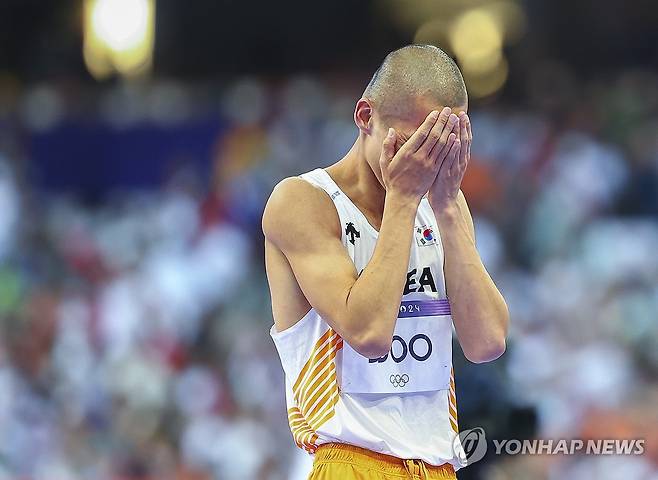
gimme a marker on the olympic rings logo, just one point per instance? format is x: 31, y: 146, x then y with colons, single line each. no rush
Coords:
x: 399, y: 380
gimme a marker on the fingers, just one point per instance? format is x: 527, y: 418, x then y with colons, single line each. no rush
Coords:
x: 466, y: 137
x: 435, y: 133
x: 443, y: 144
x: 388, y: 148
x: 420, y: 135
x: 452, y: 159
x: 452, y: 124
x: 470, y: 135
x: 440, y: 153
x: 465, y: 122
x: 463, y: 135
x: 463, y: 128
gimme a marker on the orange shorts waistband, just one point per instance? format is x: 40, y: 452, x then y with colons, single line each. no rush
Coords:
x: 345, y: 453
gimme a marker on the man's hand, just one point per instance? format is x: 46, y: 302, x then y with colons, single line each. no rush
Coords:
x: 443, y: 192
x: 411, y: 170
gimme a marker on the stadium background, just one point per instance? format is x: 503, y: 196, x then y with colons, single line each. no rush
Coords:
x: 139, y: 141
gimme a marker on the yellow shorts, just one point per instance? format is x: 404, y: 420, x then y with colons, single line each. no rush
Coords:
x: 339, y: 461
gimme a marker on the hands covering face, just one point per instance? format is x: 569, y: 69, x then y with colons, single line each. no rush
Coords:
x: 433, y: 160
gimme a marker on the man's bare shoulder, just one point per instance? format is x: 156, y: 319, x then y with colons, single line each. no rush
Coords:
x: 299, y: 211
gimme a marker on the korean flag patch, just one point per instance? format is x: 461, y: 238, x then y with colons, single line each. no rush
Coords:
x: 425, y: 236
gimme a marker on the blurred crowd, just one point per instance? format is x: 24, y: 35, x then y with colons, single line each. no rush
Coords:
x: 134, y: 327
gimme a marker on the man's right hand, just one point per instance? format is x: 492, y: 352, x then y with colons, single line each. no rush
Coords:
x: 411, y: 171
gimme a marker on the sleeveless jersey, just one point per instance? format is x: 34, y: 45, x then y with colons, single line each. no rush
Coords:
x: 402, y: 404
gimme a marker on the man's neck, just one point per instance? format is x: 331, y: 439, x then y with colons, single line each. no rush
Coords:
x: 355, y: 177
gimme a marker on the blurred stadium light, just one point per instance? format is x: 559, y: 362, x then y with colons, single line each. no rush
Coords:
x: 477, y: 40
x: 118, y: 37
x: 475, y: 35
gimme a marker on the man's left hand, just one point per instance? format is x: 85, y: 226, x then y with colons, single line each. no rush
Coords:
x: 443, y: 192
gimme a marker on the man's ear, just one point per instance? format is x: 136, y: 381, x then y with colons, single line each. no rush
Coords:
x: 363, y: 116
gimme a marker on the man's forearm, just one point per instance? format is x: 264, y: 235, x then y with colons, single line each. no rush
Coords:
x: 374, y: 299
x: 478, y: 309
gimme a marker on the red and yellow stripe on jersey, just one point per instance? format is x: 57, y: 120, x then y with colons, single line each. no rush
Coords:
x: 315, y: 392
x: 452, y: 402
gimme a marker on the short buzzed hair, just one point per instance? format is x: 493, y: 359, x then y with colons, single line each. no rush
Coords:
x: 414, y: 72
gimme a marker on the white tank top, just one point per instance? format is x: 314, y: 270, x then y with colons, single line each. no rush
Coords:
x: 402, y: 404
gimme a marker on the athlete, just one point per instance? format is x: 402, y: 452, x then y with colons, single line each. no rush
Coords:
x: 370, y: 263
